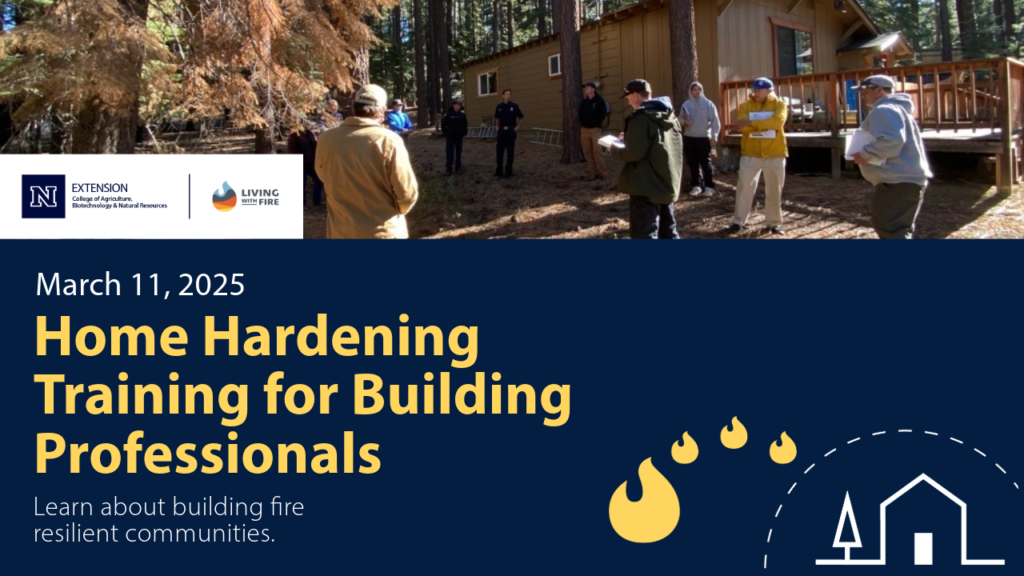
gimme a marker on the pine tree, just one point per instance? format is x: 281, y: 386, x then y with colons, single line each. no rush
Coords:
x: 572, y: 80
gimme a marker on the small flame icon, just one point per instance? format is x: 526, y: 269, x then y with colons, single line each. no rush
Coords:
x: 783, y: 453
x: 651, y: 518
x: 737, y: 438
x: 686, y: 453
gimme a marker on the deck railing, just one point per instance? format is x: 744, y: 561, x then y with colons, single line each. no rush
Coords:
x: 969, y: 95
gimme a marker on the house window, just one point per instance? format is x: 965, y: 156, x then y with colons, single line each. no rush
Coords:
x: 794, y: 49
x: 554, y: 65
x: 487, y: 83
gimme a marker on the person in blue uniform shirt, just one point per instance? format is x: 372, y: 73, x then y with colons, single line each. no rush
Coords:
x: 507, y: 118
x: 397, y: 120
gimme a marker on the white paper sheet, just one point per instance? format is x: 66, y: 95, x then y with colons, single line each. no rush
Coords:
x: 610, y: 141
x: 760, y: 115
x: 766, y: 135
x: 857, y: 141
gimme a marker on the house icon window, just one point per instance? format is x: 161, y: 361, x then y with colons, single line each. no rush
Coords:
x: 922, y: 542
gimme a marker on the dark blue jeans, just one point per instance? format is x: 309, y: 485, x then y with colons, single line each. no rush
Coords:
x: 648, y: 220
x: 318, y: 185
x: 453, y: 152
x: 506, y: 143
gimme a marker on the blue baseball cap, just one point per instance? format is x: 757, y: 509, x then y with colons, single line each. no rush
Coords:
x: 762, y: 84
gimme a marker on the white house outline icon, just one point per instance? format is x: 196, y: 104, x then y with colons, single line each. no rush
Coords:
x: 881, y: 561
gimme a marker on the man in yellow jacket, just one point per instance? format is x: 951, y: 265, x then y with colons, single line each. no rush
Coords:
x: 368, y: 179
x: 762, y: 150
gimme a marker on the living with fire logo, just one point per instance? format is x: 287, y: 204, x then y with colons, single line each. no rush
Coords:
x: 225, y: 198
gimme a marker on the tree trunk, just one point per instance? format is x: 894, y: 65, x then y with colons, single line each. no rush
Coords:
x: 422, y: 91
x: 1009, y: 20
x: 968, y: 29
x: 104, y: 128
x: 542, y: 18
x: 556, y: 16
x: 915, y: 16
x: 495, y: 26
x: 510, y: 27
x: 572, y: 79
x: 265, y: 133
x: 361, y: 67
x: 682, y: 48
x: 945, y: 32
x: 396, y: 42
x: 442, y: 64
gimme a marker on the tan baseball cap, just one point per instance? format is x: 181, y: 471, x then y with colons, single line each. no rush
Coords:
x: 372, y: 95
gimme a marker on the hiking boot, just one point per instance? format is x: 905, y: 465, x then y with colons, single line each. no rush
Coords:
x: 708, y: 192
x: 696, y: 191
x: 733, y: 228
x: 777, y: 230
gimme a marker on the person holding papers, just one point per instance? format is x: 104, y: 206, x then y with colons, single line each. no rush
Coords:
x: 893, y: 159
x: 652, y: 150
x: 762, y: 150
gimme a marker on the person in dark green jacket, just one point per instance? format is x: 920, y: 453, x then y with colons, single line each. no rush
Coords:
x: 653, y: 157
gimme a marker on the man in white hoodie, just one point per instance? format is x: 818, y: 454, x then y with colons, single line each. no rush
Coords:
x: 701, y: 123
x: 895, y: 162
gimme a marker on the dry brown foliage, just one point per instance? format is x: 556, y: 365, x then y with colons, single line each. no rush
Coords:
x: 196, y: 57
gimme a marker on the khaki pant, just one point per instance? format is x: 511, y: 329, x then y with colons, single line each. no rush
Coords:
x: 592, y: 151
x: 774, y: 170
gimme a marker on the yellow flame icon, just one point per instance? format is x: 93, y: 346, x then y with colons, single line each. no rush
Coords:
x: 686, y: 453
x: 783, y: 453
x: 737, y: 438
x: 651, y: 518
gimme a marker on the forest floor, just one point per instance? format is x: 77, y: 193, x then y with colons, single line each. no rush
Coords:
x: 547, y: 199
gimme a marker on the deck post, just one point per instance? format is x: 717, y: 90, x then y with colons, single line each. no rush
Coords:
x: 1004, y: 159
x: 834, y: 104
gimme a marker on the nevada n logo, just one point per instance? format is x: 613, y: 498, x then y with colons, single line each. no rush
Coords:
x: 42, y: 196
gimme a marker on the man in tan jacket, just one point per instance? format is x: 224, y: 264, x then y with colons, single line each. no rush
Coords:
x: 368, y: 180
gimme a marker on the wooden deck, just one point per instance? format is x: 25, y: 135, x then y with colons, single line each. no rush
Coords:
x: 973, y: 106
x: 982, y: 141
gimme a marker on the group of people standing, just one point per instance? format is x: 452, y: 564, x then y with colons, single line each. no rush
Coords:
x: 654, y: 142
x: 363, y: 163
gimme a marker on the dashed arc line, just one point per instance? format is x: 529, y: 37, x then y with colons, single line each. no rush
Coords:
x: 1015, y: 485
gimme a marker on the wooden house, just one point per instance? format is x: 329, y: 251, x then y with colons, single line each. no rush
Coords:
x: 815, y: 50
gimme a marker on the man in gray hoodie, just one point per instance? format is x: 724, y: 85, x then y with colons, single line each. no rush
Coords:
x: 700, y: 119
x: 895, y: 162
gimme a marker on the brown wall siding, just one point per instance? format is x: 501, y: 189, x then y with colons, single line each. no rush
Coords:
x: 745, y: 48
x: 735, y: 46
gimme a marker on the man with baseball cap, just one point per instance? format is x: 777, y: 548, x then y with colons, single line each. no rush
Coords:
x: 397, y: 120
x: 593, y: 111
x: 368, y: 180
x: 653, y: 162
x: 894, y: 162
x: 762, y: 150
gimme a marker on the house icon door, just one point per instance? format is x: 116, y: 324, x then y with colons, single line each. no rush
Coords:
x: 924, y: 544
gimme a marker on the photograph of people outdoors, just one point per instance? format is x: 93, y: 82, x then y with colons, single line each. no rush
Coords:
x: 553, y: 118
